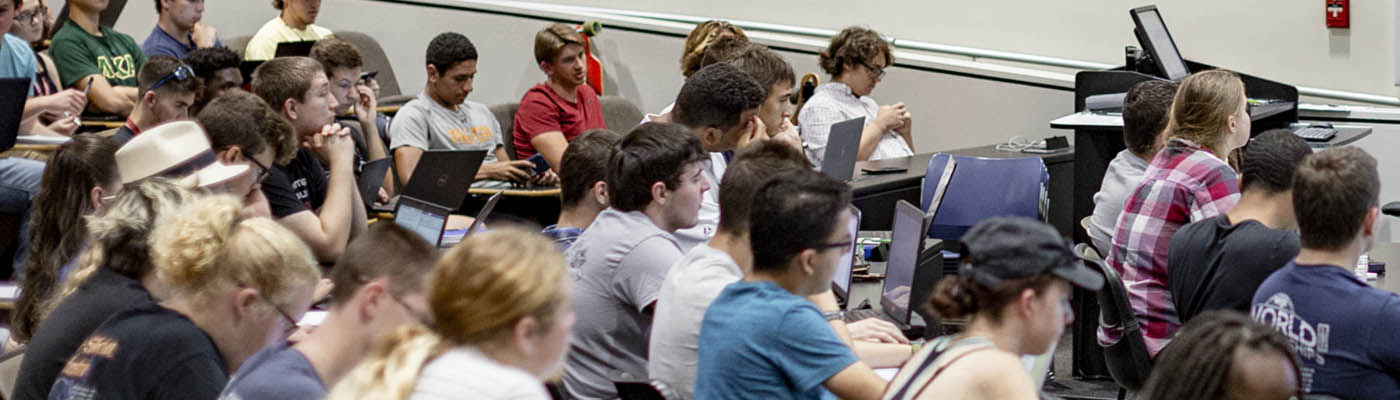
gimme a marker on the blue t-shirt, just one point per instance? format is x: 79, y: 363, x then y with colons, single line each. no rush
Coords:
x: 160, y: 42
x: 1340, y: 327
x: 563, y: 237
x: 17, y: 60
x: 276, y: 372
x: 759, y: 341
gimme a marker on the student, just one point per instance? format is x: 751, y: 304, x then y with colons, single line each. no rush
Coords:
x: 33, y: 24
x: 719, y: 50
x: 107, y: 280
x: 720, y: 105
x: 217, y: 69
x: 45, y: 109
x: 1218, y: 263
x: 168, y: 89
x: 763, y: 337
x: 582, y: 184
x: 379, y: 286
x: 87, y: 53
x: 79, y: 175
x: 655, y: 182
x: 343, y: 64
x: 856, y: 59
x: 1014, y: 287
x: 1187, y: 181
x: 703, y: 273
x: 314, y: 195
x: 1337, y: 322
x: 555, y: 112
x: 178, y: 30
x: 775, y: 76
x: 1222, y: 354
x: 503, y: 318
x: 228, y: 285
x: 1145, y: 114
x: 441, y: 117
x: 243, y: 130
x: 295, y: 23
x: 699, y: 40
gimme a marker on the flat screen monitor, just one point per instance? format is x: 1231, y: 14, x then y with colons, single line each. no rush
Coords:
x: 1153, y: 36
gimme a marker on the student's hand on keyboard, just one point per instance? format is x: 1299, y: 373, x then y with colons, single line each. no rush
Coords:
x: 876, y: 330
x: 509, y: 171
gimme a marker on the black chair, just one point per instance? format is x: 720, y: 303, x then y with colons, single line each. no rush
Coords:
x: 1128, y: 361
x: 505, y: 116
x: 1391, y: 209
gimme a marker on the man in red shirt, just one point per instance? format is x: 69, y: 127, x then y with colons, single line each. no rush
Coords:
x: 555, y: 112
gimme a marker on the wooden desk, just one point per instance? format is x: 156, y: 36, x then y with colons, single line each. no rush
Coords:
x: 102, y: 125
x: 540, y: 206
x: 521, y: 192
x: 390, y: 110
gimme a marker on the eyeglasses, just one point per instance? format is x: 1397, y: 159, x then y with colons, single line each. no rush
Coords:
x: 421, y: 317
x: 875, y: 72
x: 181, y: 73
x: 263, y: 170
x: 837, y: 245
x: 291, y: 323
x: 32, y: 15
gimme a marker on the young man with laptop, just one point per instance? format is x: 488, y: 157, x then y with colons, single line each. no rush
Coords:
x: 441, y: 117
x: 768, y: 336
x: 719, y: 104
x: 318, y: 203
x: 705, y: 270
x: 619, y: 263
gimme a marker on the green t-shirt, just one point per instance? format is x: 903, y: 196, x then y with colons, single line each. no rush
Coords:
x: 78, y: 54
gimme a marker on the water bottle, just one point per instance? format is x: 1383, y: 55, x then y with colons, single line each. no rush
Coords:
x: 1363, y: 264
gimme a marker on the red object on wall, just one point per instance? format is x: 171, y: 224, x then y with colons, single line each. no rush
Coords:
x: 1338, y: 14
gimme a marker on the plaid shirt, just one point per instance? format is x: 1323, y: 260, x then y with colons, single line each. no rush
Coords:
x: 1185, y: 183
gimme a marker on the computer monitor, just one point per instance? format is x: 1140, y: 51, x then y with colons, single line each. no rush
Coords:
x: 421, y: 217
x: 13, y: 92
x: 906, y: 246
x: 1152, y: 34
x: 841, y: 279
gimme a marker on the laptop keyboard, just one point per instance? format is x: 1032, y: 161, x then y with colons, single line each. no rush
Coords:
x: 1316, y: 134
x: 862, y: 314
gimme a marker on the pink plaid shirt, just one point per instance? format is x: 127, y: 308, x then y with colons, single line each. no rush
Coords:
x: 1185, y: 183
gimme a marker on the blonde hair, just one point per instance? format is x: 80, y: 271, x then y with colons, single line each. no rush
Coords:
x: 207, y: 246
x: 478, y: 292
x: 551, y: 40
x: 1202, y: 108
x: 700, y: 38
x: 120, y: 236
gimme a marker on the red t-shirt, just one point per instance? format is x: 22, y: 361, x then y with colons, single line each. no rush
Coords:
x: 542, y: 110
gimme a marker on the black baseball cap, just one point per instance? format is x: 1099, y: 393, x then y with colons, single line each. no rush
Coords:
x: 1004, y: 248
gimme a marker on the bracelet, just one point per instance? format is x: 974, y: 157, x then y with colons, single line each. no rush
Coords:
x: 834, y: 315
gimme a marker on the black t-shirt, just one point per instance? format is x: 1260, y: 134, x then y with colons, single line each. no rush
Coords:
x: 104, y: 293
x: 298, y: 186
x: 146, y: 352
x: 1213, y: 265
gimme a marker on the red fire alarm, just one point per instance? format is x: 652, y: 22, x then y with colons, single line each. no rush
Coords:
x: 1338, y: 15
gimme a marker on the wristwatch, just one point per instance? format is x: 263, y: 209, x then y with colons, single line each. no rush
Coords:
x: 834, y: 315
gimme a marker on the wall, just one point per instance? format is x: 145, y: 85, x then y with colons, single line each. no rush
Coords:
x: 1281, y: 40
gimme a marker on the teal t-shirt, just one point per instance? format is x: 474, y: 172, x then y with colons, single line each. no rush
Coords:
x: 114, y: 55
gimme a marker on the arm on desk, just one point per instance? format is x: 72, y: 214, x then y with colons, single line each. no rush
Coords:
x: 106, y: 98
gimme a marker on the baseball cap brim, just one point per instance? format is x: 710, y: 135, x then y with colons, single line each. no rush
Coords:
x: 1079, y: 275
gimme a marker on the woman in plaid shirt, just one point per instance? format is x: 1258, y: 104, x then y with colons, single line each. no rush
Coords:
x: 1189, y: 180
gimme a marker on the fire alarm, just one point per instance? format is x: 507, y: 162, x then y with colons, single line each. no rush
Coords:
x: 1338, y: 14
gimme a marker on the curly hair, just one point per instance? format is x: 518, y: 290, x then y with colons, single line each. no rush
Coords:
x: 205, y: 62
x: 1200, y: 362
x: 853, y: 46
x: 700, y: 39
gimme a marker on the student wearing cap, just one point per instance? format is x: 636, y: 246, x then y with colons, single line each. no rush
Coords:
x: 1014, y: 287
x: 168, y: 89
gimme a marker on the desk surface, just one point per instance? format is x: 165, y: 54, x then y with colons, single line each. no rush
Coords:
x: 517, y: 192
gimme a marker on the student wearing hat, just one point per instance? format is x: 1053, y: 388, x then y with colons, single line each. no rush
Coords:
x: 1014, y: 287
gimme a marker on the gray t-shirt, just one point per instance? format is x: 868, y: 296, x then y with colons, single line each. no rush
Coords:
x: 618, y: 265
x: 277, y: 372
x: 427, y: 125
x: 691, y: 285
x: 1122, y: 176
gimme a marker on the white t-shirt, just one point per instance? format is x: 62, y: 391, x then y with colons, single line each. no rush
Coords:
x: 834, y: 102
x: 690, y: 287
x: 263, y: 44
x: 465, y: 373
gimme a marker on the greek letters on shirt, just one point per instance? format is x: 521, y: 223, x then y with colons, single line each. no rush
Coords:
x: 117, y: 68
x: 476, y: 135
x: 302, y: 191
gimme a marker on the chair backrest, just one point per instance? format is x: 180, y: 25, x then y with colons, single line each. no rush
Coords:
x: 620, y: 114
x: 239, y: 44
x: 1127, y: 360
x: 982, y: 188
x: 505, y: 115
x: 375, y: 60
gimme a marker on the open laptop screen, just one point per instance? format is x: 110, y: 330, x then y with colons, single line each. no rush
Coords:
x: 906, y: 242
x: 841, y: 279
x: 425, y: 219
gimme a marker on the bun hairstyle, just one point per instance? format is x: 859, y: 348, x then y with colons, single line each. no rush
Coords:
x: 207, y: 246
x: 478, y: 292
x: 958, y: 296
x: 700, y: 39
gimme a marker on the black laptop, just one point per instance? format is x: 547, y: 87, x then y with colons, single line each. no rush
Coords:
x: 13, y: 93
x: 371, y: 179
x: 294, y: 49
x: 442, y: 177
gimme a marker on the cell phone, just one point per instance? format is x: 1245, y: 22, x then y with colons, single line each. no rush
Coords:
x: 541, y: 165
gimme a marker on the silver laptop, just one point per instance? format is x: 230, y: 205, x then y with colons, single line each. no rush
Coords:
x: 424, y: 218
x: 842, y: 149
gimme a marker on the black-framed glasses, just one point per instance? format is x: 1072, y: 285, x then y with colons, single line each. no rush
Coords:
x: 263, y: 170
x: 31, y: 15
x: 875, y: 72
x: 291, y: 323
x: 421, y: 317
x: 181, y: 73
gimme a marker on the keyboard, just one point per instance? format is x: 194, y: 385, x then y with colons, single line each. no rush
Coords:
x: 862, y: 314
x: 1315, y: 133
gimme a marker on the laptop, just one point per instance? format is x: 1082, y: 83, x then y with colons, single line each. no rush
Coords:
x: 13, y: 93
x: 371, y: 179
x: 841, y: 279
x: 842, y: 149
x: 906, y: 249
x: 452, y: 237
x: 442, y: 177
x: 423, y: 218
x: 942, y: 188
x: 294, y: 49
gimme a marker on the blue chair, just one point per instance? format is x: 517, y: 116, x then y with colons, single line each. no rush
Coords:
x: 983, y: 188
